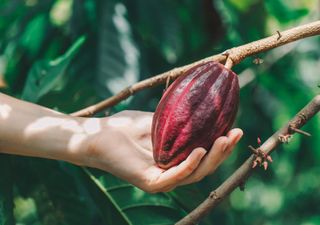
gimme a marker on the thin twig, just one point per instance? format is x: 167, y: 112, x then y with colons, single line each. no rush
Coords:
x: 235, y: 56
x: 147, y: 83
x: 245, y: 170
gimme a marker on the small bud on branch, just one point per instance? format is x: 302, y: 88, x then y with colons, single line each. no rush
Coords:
x: 231, y: 57
x: 244, y: 171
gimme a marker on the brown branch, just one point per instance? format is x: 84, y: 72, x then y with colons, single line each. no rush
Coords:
x: 245, y: 170
x: 237, y: 54
x: 147, y: 83
x: 234, y: 55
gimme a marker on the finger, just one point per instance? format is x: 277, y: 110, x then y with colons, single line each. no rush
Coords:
x: 211, y: 161
x: 220, y: 150
x: 173, y: 176
x: 234, y: 136
x: 218, y: 154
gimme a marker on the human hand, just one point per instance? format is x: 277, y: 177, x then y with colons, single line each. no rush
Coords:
x: 122, y: 146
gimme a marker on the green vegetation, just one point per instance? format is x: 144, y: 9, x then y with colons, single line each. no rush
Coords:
x: 68, y: 54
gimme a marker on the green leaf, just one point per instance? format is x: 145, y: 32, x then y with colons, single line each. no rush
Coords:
x: 54, y: 192
x: 34, y: 34
x: 105, y: 206
x: 133, y: 204
x: 6, y: 195
x: 164, y: 30
x: 46, y: 74
x: 285, y: 12
x: 182, y: 196
x: 243, y: 5
x: 118, y: 56
x: 25, y: 211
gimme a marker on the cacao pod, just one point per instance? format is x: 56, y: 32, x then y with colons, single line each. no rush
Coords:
x: 198, y: 107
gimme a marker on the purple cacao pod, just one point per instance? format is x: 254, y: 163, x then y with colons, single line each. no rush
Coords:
x: 198, y: 107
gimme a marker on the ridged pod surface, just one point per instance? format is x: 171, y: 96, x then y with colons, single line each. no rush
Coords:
x: 198, y: 107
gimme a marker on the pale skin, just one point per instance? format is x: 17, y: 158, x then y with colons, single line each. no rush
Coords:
x: 119, y: 144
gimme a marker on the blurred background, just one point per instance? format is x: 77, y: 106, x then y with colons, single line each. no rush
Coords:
x: 68, y: 54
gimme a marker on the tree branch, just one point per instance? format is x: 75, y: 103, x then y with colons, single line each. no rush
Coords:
x: 234, y: 55
x: 237, y: 54
x: 245, y: 170
x: 147, y: 83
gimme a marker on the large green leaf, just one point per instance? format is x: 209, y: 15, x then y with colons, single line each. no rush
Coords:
x: 46, y: 74
x: 108, y: 211
x: 164, y: 30
x: 182, y: 196
x: 118, y: 56
x: 133, y: 205
x: 55, y: 193
x: 6, y: 195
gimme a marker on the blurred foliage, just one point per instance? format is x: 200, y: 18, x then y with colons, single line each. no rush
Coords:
x: 68, y: 54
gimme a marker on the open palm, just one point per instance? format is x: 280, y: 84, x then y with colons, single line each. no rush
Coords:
x: 123, y: 147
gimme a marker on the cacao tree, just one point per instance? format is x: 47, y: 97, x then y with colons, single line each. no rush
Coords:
x: 71, y: 54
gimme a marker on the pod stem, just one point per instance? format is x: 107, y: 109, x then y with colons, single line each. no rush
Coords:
x: 229, y: 63
x: 235, y: 56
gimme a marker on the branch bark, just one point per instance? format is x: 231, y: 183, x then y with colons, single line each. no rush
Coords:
x: 234, y: 56
x: 245, y: 170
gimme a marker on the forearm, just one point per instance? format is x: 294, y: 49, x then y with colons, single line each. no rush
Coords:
x: 31, y: 130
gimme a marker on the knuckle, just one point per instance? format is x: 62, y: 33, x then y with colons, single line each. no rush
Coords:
x: 180, y: 178
x: 190, y: 168
x: 152, y: 187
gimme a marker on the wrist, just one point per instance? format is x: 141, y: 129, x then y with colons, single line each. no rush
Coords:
x: 80, y: 142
